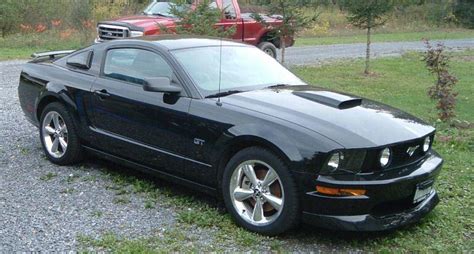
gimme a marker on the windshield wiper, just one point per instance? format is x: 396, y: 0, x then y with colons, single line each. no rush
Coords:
x: 222, y: 94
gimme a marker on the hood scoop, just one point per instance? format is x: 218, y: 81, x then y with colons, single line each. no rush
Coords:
x: 331, y: 99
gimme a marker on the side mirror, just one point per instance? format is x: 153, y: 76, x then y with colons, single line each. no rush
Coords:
x: 161, y: 85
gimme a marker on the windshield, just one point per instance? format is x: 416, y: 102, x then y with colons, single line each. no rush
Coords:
x: 160, y: 8
x: 243, y: 69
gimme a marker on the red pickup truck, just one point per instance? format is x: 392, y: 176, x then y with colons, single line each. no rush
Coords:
x: 157, y: 15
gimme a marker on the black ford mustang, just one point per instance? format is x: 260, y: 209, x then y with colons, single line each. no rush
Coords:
x: 228, y: 120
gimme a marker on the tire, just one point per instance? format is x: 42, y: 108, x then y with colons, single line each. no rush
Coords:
x: 268, y: 209
x: 268, y: 48
x: 60, y: 143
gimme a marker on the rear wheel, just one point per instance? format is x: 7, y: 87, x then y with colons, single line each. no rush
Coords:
x: 259, y: 192
x: 268, y: 48
x: 58, y: 135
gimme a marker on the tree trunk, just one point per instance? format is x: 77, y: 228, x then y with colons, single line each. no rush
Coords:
x: 283, y: 49
x: 367, y: 56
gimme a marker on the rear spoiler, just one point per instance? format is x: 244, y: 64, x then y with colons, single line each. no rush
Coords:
x: 51, y: 54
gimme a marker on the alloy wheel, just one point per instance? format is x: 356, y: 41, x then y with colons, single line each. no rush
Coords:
x: 55, y: 134
x: 257, y: 192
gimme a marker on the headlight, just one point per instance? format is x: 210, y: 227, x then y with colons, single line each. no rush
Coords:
x: 426, y: 144
x: 385, y: 157
x: 344, y: 162
x: 136, y: 33
x: 334, y: 160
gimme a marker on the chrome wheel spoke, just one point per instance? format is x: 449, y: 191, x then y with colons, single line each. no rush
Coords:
x: 57, y: 126
x: 63, y: 143
x: 242, y: 194
x: 64, y: 129
x: 250, y: 173
x: 257, y: 214
x: 275, y: 202
x: 49, y: 130
x: 55, y: 146
x: 270, y: 178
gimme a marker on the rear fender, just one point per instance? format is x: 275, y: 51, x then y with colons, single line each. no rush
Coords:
x: 54, y: 92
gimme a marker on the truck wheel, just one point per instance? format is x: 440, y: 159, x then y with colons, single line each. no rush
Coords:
x: 58, y: 135
x: 268, y: 48
x: 259, y: 192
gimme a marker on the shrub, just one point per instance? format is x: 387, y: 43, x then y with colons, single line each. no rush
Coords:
x: 9, y: 11
x: 199, y: 21
x: 437, y: 62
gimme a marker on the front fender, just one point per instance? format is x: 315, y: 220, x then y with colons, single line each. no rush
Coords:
x: 271, y: 136
x: 254, y: 135
x: 301, y: 148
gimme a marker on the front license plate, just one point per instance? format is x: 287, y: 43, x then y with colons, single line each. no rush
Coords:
x: 423, y: 190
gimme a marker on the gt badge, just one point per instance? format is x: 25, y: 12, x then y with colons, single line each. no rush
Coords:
x: 199, y: 142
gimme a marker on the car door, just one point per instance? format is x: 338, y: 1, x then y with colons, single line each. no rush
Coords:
x: 144, y: 127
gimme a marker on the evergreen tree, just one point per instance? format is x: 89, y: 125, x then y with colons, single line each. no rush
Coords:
x: 367, y: 14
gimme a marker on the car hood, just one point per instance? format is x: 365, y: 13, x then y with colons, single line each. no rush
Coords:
x: 350, y: 121
x: 147, y: 21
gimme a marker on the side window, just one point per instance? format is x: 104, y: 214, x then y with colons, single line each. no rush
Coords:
x: 134, y: 65
x: 81, y: 60
x: 229, y: 9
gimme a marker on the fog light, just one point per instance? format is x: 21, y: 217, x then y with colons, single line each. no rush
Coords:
x: 427, y: 144
x: 385, y: 157
x: 340, y: 192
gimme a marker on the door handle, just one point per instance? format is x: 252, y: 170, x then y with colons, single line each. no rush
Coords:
x: 102, y: 93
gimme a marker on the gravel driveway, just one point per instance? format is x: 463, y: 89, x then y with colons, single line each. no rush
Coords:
x: 46, y: 207
x: 318, y: 54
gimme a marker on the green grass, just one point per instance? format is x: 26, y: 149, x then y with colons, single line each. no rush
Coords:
x: 401, y: 82
x: 48, y: 176
x: 21, y: 46
x: 387, y: 37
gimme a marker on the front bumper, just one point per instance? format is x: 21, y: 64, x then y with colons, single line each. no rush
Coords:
x: 387, y: 204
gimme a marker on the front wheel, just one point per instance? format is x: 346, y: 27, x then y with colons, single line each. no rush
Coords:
x: 268, y: 48
x: 259, y: 192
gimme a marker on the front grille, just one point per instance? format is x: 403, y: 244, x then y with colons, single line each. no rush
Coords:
x: 400, y: 156
x: 110, y: 32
